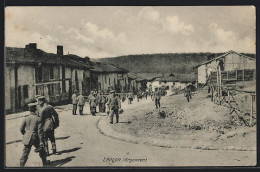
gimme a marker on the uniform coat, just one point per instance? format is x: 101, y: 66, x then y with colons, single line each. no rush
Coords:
x: 74, y: 98
x: 49, y: 117
x: 32, y: 129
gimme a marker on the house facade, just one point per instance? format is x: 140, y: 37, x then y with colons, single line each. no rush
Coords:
x: 108, y: 77
x: 229, y: 61
x: 30, y: 71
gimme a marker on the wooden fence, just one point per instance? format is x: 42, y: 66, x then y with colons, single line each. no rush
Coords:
x: 235, y: 75
x: 223, y: 87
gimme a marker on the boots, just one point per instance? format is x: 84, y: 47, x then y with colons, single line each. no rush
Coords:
x: 45, y: 162
x: 46, y: 148
x: 53, y: 148
x: 22, y: 163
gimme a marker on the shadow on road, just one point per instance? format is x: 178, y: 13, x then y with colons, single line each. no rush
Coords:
x: 15, y: 141
x: 60, y: 162
x: 126, y: 122
x: 68, y: 151
x: 62, y: 138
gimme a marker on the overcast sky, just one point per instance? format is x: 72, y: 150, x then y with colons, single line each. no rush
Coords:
x: 113, y: 31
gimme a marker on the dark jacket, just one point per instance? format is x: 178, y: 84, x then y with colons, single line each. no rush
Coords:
x: 49, y: 117
x: 114, y: 103
x: 32, y: 129
x: 92, y: 101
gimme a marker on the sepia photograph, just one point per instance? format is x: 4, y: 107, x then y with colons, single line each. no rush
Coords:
x: 130, y: 86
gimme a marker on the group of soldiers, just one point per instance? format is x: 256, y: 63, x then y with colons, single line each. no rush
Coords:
x: 111, y: 104
x: 37, y: 128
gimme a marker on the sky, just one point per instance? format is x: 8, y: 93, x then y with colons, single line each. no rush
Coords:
x: 107, y: 31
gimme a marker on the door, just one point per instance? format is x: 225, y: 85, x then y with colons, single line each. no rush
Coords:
x: 70, y: 91
x: 19, y: 97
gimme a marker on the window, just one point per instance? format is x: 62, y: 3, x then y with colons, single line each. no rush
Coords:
x: 105, y: 80
x: 39, y: 74
x: 54, y: 89
x: 25, y: 91
x: 63, y: 80
x: 109, y: 81
x: 120, y: 76
x: 51, y: 73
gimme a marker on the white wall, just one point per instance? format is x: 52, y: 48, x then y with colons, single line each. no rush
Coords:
x: 26, y: 76
x: 202, y: 74
x: 236, y: 62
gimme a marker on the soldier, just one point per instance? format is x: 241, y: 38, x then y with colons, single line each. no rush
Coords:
x: 50, y: 121
x: 99, y: 101
x: 188, y: 93
x: 114, y: 105
x: 32, y: 132
x: 157, y: 98
x: 74, y: 102
x: 103, y: 101
x: 130, y: 97
x: 92, y: 103
x: 81, y: 103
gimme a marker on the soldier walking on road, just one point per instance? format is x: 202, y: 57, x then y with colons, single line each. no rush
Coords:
x: 92, y: 103
x: 32, y: 130
x: 81, y: 103
x: 187, y: 94
x: 103, y: 101
x: 130, y: 97
x: 157, y: 98
x: 98, y: 97
x: 114, y: 106
x: 50, y: 121
x: 74, y: 102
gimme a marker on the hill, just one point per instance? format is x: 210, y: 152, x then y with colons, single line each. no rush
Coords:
x: 161, y: 63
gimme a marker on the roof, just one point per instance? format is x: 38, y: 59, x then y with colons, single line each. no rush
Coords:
x: 27, y: 56
x: 178, y: 78
x: 106, y: 68
x: 223, y: 55
x: 78, y: 59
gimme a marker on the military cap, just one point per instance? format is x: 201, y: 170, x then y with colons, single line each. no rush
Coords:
x: 42, y: 98
x: 37, y: 96
x: 75, y: 91
x: 31, y: 105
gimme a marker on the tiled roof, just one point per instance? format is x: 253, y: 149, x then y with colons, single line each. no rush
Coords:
x: 27, y: 56
x: 178, y: 78
x: 223, y: 55
x: 78, y: 59
x: 107, y: 68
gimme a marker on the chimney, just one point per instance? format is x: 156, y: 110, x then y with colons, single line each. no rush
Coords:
x: 87, y: 59
x: 60, y: 50
x: 31, y: 46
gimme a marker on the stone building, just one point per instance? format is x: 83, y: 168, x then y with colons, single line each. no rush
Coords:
x: 30, y: 71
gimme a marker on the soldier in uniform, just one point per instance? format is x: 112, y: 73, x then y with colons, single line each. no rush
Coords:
x: 114, y: 106
x: 50, y: 121
x: 98, y: 97
x: 103, y: 101
x: 92, y: 103
x: 81, y: 103
x: 130, y: 97
x: 187, y: 93
x: 157, y: 98
x: 74, y: 102
x: 32, y: 131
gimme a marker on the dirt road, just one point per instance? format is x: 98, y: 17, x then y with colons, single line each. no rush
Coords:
x: 80, y: 143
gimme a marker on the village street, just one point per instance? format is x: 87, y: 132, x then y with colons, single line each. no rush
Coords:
x: 81, y: 144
